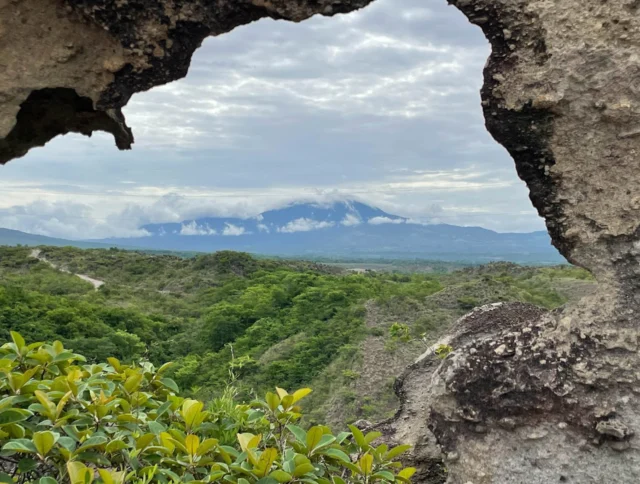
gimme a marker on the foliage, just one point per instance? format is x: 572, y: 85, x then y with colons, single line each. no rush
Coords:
x: 270, y: 322
x: 442, y: 351
x: 65, y: 421
x: 399, y: 331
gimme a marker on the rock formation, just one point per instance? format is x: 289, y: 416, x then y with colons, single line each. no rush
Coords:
x: 526, y: 396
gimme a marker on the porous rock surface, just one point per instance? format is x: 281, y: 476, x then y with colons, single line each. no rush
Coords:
x: 526, y: 396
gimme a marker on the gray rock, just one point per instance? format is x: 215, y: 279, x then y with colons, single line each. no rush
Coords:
x: 560, y: 94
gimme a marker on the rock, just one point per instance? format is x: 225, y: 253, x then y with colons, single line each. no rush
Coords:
x: 614, y: 428
x: 559, y: 95
x: 118, y: 48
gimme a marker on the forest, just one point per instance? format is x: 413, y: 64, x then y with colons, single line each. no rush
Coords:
x: 231, y: 319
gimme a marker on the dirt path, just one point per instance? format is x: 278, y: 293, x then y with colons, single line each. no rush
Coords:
x: 36, y: 254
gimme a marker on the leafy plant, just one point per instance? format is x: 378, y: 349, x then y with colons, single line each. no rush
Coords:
x: 62, y: 420
x: 442, y: 351
x: 400, y: 331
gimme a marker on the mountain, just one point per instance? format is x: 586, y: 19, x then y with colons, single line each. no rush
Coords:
x: 15, y: 237
x: 301, y: 217
x: 347, y: 229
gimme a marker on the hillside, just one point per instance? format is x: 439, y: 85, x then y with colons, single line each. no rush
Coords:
x: 263, y: 322
x: 10, y: 237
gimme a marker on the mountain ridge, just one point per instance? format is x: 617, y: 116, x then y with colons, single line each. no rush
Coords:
x: 343, y: 229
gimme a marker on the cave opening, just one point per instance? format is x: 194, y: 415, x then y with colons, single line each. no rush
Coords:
x: 380, y: 105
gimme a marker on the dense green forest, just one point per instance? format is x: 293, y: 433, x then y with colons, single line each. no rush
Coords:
x: 257, y: 322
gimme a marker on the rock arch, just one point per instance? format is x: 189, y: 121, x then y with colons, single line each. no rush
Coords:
x: 526, y: 397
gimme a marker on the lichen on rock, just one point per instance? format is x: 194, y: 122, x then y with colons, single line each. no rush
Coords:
x: 526, y: 396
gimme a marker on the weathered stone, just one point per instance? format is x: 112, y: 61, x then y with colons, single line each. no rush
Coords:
x: 85, y: 58
x: 559, y: 95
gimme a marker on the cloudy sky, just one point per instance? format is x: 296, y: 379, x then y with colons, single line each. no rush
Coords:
x: 381, y: 105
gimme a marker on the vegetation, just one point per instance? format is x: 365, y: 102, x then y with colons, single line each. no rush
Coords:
x: 65, y: 421
x: 268, y: 322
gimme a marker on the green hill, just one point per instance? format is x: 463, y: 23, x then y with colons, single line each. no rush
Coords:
x: 256, y: 323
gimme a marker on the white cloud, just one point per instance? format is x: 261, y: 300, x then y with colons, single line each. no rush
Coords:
x: 382, y: 104
x: 263, y: 228
x: 234, y: 230
x: 304, y: 225
x: 350, y: 220
x: 64, y: 220
x: 385, y: 220
x: 192, y: 228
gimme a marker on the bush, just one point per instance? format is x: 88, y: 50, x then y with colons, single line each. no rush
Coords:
x: 65, y: 421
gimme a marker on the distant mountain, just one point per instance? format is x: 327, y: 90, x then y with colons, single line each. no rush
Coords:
x: 344, y: 230
x: 301, y: 217
x: 15, y: 237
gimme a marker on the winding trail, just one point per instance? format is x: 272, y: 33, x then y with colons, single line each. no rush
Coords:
x: 36, y: 254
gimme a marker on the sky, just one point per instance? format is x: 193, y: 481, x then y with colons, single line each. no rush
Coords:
x: 380, y: 105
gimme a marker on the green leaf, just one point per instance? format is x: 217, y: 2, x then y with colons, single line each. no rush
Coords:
x: 313, y: 437
x: 68, y: 443
x: 156, y: 427
x: 65, y: 355
x: 20, y: 445
x: 371, y: 436
x: 79, y: 473
x: 18, y: 340
x: 267, y: 480
x: 303, y: 469
x: 299, y: 394
x: 206, y: 446
x: 396, y: 451
x: 94, y: 457
x: 299, y: 433
x: 281, y: 476
x: 170, y: 384
x: 164, y: 368
x: 13, y: 415
x: 27, y: 465
x: 93, y: 441
x: 385, y: 475
x: 115, y: 446
x: 342, y: 436
x: 162, y: 409
x: 4, y: 477
x: 366, y: 464
x: 265, y: 462
x: 406, y: 473
x: 336, y: 454
x: 46, y: 480
x: 133, y: 382
x: 358, y: 437
x: 273, y: 401
x: 44, y: 442
x: 325, y: 440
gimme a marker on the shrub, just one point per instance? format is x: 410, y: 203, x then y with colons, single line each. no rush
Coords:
x: 400, y: 331
x: 65, y: 421
x: 442, y: 351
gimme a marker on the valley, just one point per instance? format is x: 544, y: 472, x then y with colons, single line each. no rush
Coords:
x: 228, y: 318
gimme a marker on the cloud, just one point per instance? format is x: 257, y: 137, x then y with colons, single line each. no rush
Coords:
x: 381, y: 105
x: 63, y: 220
x: 386, y: 220
x: 263, y: 228
x: 192, y: 228
x: 234, y: 230
x: 350, y: 220
x: 304, y: 225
